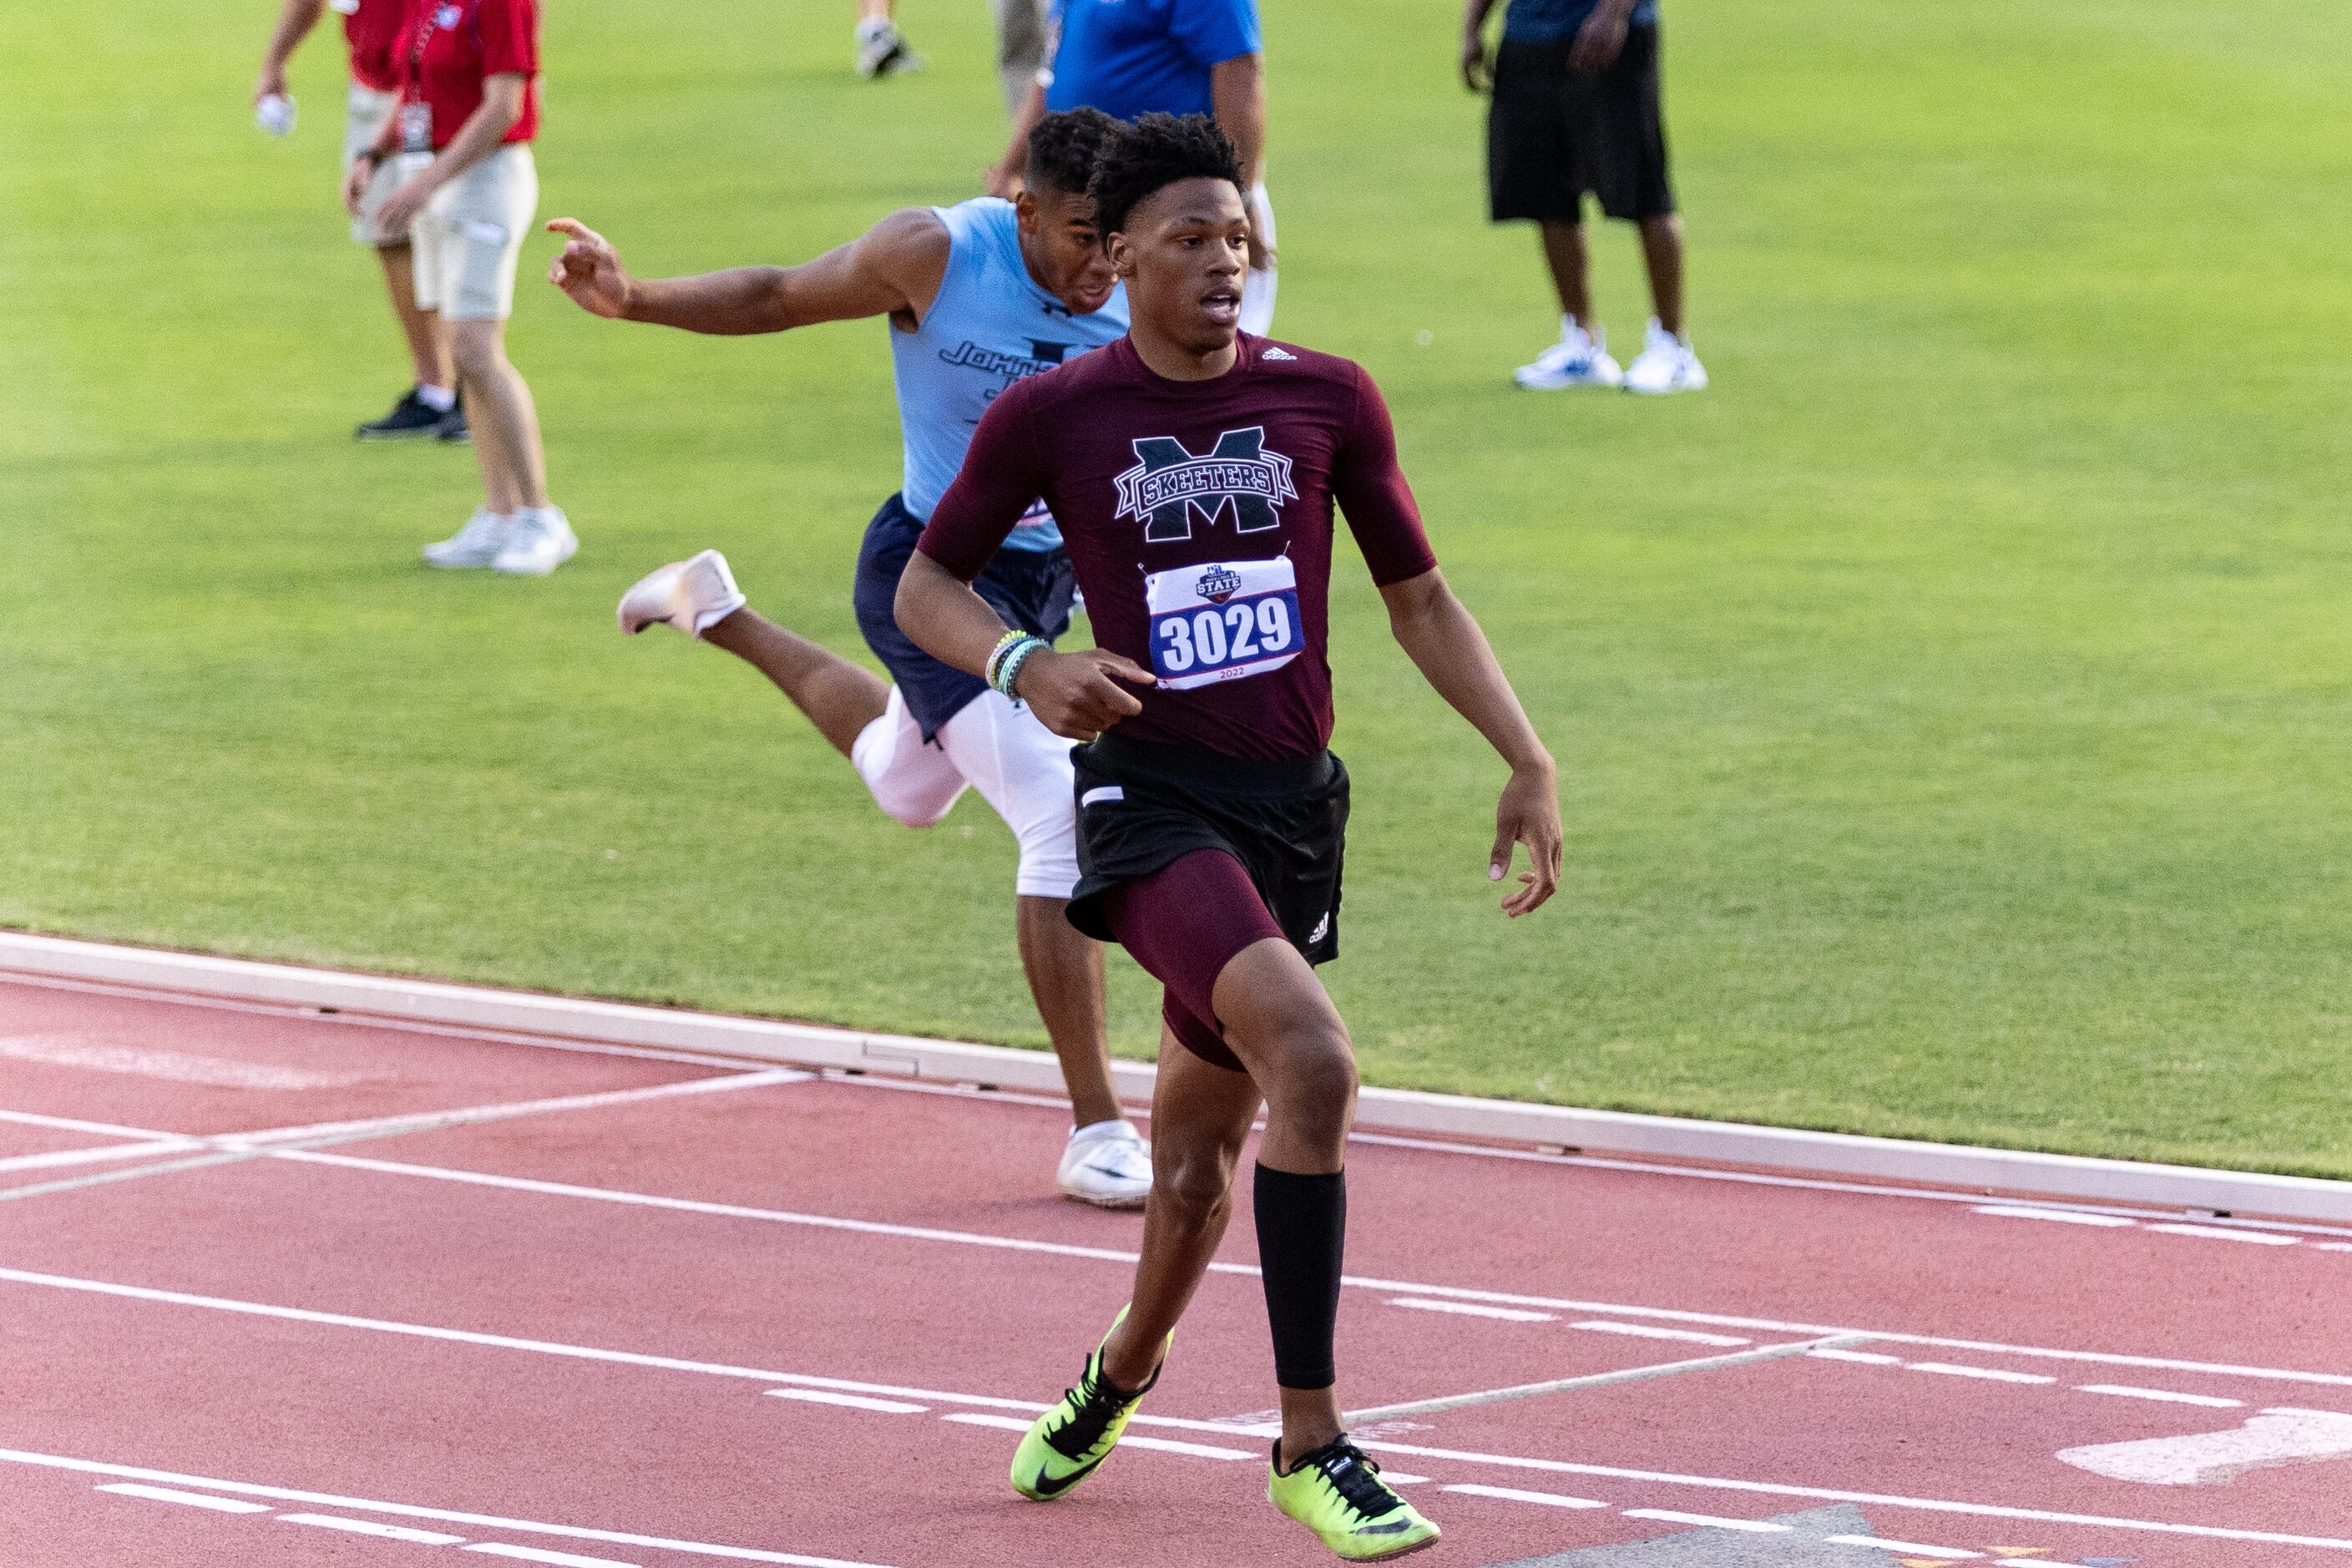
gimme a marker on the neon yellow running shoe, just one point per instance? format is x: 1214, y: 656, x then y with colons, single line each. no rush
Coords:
x: 1337, y: 1492
x: 1069, y: 1442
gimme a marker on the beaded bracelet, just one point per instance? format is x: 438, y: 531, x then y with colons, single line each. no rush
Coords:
x: 996, y: 655
x: 1009, y: 670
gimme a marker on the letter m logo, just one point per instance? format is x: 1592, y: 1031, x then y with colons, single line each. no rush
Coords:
x: 1169, y: 486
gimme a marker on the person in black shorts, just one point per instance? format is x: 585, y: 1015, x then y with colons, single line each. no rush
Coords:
x: 1575, y: 108
x: 1198, y: 472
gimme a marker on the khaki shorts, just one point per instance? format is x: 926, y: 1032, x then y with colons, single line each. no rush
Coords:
x: 363, y: 115
x: 469, y: 238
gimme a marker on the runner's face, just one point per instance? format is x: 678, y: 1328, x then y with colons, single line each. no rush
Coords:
x: 1182, y: 254
x: 1063, y: 250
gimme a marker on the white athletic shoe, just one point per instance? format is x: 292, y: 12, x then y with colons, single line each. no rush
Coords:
x: 882, y: 49
x: 476, y: 544
x: 539, y: 539
x: 1109, y: 1165
x: 694, y: 595
x: 1668, y: 363
x: 1577, y: 360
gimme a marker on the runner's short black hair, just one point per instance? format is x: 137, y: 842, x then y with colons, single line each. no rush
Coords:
x: 1063, y: 148
x: 1153, y: 154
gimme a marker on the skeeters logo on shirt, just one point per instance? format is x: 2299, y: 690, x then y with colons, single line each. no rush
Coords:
x: 1169, y: 485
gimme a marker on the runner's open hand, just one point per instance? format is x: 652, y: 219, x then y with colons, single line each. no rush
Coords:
x: 355, y: 184
x: 1599, y: 41
x: 1527, y: 814
x: 589, y: 270
x: 1077, y: 694
x: 1477, y: 69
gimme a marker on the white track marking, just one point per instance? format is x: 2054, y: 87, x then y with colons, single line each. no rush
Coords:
x: 412, y: 1511
x: 175, y: 1066
x: 1950, y: 1554
x: 433, y: 1121
x: 1591, y: 1380
x: 189, y: 1499
x: 971, y: 1418
x: 1867, y: 1499
x: 2333, y: 1246
x: 2215, y: 1458
x: 2063, y: 1216
x: 68, y: 1124
x: 536, y: 1554
x: 1512, y: 1494
x: 1198, y: 1450
x: 370, y: 1527
x: 1860, y: 1358
x: 1642, y: 1331
x: 1988, y: 1374
x: 850, y: 1401
x: 1398, y: 1478
x: 57, y: 1157
x: 1708, y: 1520
x: 1466, y: 1308
x: 2228, y: 1233
x: 2165, y: 1395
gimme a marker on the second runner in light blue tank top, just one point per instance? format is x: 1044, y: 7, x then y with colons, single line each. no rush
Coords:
x: 991, y: 326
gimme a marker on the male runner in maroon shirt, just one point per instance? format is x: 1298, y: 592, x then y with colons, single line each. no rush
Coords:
x: 1194, y: 470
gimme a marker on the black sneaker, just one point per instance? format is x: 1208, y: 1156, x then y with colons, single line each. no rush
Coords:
x: 453, y: 427
x: 409, y: 418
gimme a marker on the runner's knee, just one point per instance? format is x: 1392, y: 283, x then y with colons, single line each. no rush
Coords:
x: 1193, y: 1188
x: 915, y: 784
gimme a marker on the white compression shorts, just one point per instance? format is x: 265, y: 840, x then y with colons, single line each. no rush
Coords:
x: 1020, y: 768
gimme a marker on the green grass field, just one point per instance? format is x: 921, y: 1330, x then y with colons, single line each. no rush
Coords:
x: 1952, y: 704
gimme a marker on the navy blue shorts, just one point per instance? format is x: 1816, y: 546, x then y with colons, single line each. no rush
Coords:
x: 1030, y: 590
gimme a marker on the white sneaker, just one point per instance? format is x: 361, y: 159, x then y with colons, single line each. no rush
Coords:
x: 882, y: 49
x: 476, y: 544
x: 1109, y: 1165
x: 694, y: 595
x: 1579, y: 359
x: 1667, y: 363
x: 539, y: 539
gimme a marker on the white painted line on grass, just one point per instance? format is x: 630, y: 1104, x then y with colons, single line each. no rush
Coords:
x: 189, y: 1499
x: 850, y: 1401
x: 1644, y: 1331
x: 536, y: 1554
x: 1860, y: 1358
x: 1988, y: 1374
x: 1707, y: 1521
x: 2060, y: 1217
x: 2229, y: 1233
x: 1513, y: 1494
x: 2164, y: 1395
x: 57, y: 1157
x: 1910, y: 1548
x: 1592, y: 1380
x: 1472, y: 1310
x: 413, y: 1511
x: 370, y: 1527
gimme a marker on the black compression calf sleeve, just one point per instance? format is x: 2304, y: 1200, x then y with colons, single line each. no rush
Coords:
x: 1302, y: 1228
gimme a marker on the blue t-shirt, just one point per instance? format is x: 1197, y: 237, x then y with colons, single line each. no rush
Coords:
x: 1127, y: 57
x: 1549, y: 21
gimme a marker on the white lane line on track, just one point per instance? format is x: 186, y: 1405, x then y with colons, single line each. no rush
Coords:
x: 1909, y: 1548
x: 1159, y: 1445
x: 1986, y: 1374
x: 1645, y: 1332
x: 188, y: 1499
x: 1472, y: 1310
x: 1513, y: 1494
x: 370, y: 1527
x: 413, y: 1511
x: 1860, y: 1358
x: 538, y: 1554
x: 850, y: 1401
x: 55, y: 1050
x: 1590, y: 1380
x: 2213, y: 1458
x: 2060, y: 1216
x: 1708, y: 1520
x: 2228, y: 1233
x: 1392, y: 1286
x: 2163, y: 1395
x: 102, y: 1129
x: 2333, y: 1246
x: 57, y: 1157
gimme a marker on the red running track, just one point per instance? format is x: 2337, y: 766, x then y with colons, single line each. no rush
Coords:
x: 280, y: 1289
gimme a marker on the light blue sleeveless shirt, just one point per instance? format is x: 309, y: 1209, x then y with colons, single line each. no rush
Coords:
x: 991, y: 326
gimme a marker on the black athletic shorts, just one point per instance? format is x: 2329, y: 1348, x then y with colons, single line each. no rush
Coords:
x: 1030, y: 590
x: 1142, y: 805
x: 1554, y: 133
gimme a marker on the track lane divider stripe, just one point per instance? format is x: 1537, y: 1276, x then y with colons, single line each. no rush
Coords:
x: 1599, y: 1379
x: 189, y: 1499
x: 372, y: 1527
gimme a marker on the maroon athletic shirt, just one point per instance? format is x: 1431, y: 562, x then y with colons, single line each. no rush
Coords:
x: 1198, y: 517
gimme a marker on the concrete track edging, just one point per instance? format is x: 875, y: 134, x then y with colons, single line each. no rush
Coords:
x: 1384, y: 1110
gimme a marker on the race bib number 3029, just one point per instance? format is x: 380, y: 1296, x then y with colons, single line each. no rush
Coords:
x: 1222, y: 620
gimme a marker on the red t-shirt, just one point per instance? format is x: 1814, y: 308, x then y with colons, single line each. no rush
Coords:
x: 372, y: 31
x: 457, y: 45
x: 1198, y: 516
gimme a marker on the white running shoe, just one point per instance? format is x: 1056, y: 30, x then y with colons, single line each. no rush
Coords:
x: 1668, y: 363
x: 882, y: 49
x: 1579, y: 359
x: 476, y: 544
x: 1109, y: 1165
x: 539, y: 539
x: 694, y: 595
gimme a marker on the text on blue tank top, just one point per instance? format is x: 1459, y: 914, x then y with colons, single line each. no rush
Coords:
x: 991, y: 326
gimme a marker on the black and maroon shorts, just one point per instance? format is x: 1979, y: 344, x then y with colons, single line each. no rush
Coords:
x: 1185, y: 857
